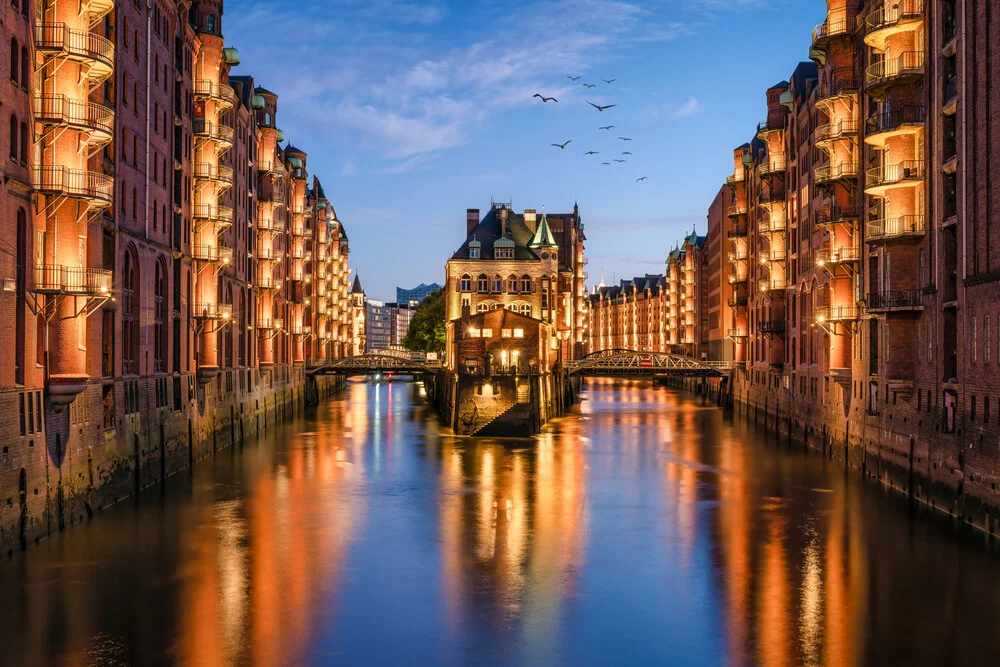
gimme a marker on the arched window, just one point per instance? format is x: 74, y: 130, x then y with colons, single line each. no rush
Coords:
x: 466, y: 285
x: 24, y: 143
x: 483, y: 283
x: 159, y: 319
x: 482, y: 308
x: 525, y: 284
x: 267, y: 119
x: 210, y: 23
x: 130, y: 314
x: 512, y: 285
x: 526, y: 309
x: 545, y: 293
x: 14, y: 67
x: 25, y: 77
x: 497, y: 284
x: 13, y: 137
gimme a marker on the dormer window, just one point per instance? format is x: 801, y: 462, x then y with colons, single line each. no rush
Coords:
x: 503, y: 248
x: 474, y: 249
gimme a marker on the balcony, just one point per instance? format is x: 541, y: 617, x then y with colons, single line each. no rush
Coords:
x: 764, y: 128
x: 737, y: 279
x: 772, y: 164
x: 774, y: 289
x: 738, y: 256
x: 844, y: 128
x: 891, y: 19
x: 737, y: 210
x: 837, y: 256
x: 885, y: 72
x: 267, y: 225
x: 738, y: 302
x: 773, y: 255
x: 213, y: 311
x: 770, y: 197
x: 95, y: 53
x: 772, y: 327
x: 880, y: 127
x: 888, y: 229
x: 836, y: 215
x: 895, y: 301
x: 737, y: 233
x: 736, y: 333
x: 838, y: 84
x: 271, y: 194
x: 221, y: 216
x: 271, y: 168
x: 907, y: 173
x: 775, y: 226
x: 827, y: 314
x: 91, y: 186
x: 215, y: 173
x: 832, y: 173
x: 60, y: 111
x: 72, y: 280
x: 220, y: 93
x: 214, y: 254
x: 836, y: 25
x: 217, y: 132
x: 270, y: 323
x: 733, y: 179
x: 267, y: 255
x: 302, y: 231
x: 267, y: 283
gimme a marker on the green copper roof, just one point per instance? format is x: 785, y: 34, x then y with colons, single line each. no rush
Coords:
x: 543, y: 236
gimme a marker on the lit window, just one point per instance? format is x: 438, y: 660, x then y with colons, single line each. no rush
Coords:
x: 487, y: 333
x: 518, y: 333
x: 526, y: 310
x: 507, y: 333
x: 466, y: 283
x: 482, y: 308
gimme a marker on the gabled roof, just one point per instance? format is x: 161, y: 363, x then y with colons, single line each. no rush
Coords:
x: 488, y: 232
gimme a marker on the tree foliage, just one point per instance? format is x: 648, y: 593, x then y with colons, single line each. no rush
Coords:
x: 427, y: 328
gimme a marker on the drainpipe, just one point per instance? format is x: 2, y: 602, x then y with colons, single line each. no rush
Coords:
x: 149, y: 50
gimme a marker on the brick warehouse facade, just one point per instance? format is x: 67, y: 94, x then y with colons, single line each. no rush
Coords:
x: 863, y: 221
x: 169, y: 268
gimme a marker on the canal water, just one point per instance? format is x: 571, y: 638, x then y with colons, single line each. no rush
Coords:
x: 644, y: 528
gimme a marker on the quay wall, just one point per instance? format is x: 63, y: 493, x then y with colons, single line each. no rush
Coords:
x: 119, y: 437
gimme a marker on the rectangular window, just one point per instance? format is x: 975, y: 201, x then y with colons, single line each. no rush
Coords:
x: 487, y: 333
x: 986, y: 338
x: 518, y: 333
x: 507, y: 333
x: 974, y: 341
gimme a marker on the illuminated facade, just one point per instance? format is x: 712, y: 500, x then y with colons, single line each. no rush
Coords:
x: 171, y: 270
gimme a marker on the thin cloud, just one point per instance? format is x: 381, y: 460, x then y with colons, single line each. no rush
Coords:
x: 692, y: 107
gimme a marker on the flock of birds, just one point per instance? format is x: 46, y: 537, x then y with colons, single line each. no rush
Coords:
x: 601, y: 109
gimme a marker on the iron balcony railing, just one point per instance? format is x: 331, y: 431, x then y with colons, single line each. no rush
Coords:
x: 824, y: 314
x: 59, y: 39
x: 267, y: 283
x: 58, y: 279
x: 908, y: 62
x: 835, y: 25
x: 893, y: 13
x: 216, y: 212
x: 735, y: 278
x: 772, y: 164
x: 266, y: 225
x: 267, y: 255
x: 737, y: 233
x: 78, y: 183
x: 891, y: 174
x: 219, y: 92
x: 65, y: 111
x: 836, y: 214
x: 213, y: 311
x: 217, y: 132
x: 733, y: 179
x: 772, y: 327
x: 271, y: 194
x: 738, y: 255
x: 737, y: 210
x: 841, y: 255
x: 836, y: 172
x: 895, y: 300
x: 774, y: 287
x: 894, y: 119
x: 736, y: 333
x: 271, y: 167
x: 839, y: 82
x: 270, y: 323
x: 771, y: 196
x: 845, y: 127
x: 773, y: 255
x: 771, y: 226
x: 738, y: 301
x: 207, y: 171
x: 204, y: 252
x: 887, y: 228
x: 765, y: 127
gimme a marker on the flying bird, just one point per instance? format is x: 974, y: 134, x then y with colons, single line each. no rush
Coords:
x: 545, y: 99
x: 591, y: 153
x: 625, y: 153
x: 617, y: 160
x: 609, y: 81
x: 641, y: 179
x: 572, y: 78
x: 563, y: 145
x: 590, y: 85
x: 598, y: 107
x: 607, y: 163
x: 606, y: 127
x: 625, y: 138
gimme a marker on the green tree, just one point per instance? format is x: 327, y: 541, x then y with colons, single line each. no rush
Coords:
x: 427, y: 328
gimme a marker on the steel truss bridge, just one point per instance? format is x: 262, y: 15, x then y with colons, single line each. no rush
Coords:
x: 378, y: 361
x: 630, y: 363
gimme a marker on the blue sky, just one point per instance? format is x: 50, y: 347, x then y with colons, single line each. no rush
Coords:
x: 412, y: 112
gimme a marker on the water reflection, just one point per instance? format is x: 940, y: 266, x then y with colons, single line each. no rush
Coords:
x: 644, y: 528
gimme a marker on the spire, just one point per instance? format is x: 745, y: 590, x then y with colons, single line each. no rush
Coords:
x: 543, y: 237
x: 357, y: 289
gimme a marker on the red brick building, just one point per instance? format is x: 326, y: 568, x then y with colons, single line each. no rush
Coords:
x: 170, y: 267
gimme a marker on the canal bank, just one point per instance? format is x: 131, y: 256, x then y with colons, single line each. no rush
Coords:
x: 93, y: 455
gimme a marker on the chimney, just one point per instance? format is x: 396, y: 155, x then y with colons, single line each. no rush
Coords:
x: 503, y: 222
x: 466, y: 319
x: 530, y: 219
x: 471, y: 220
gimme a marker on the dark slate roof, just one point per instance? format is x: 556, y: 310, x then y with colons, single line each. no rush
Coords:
x: 261, y: 90
x: 487, y: 232
x: 289, y: 148
x: 318, y: 190
x: 357, y: 289
x: 804, y: 71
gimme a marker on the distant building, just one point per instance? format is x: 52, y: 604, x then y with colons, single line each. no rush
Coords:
x: 400, y: 315
x: 412, y: 297
x: 378, y: 325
